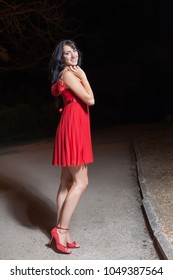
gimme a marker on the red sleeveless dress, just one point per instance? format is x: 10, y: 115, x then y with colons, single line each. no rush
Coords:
x: 73, y: 144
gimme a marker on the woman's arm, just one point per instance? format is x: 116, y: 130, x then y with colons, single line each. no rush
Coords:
x: 76, y: 80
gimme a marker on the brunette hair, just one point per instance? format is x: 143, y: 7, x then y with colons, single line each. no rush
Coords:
x: 56, y: 63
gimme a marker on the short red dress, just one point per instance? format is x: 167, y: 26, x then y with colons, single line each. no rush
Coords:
x: 73, y: 144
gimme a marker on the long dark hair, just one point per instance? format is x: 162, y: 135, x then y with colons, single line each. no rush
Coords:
x: 56, y: 64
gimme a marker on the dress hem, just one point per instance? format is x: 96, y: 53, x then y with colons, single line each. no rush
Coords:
x: 61, y: 165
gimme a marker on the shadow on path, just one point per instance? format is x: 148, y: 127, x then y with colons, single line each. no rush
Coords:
x: 28, y: 208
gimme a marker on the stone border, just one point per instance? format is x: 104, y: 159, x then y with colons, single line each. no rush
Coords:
x: 162, y: 241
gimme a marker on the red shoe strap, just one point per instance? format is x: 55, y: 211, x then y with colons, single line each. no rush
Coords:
x: 61, y: 228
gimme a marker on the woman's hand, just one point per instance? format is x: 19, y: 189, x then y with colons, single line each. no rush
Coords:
x: 78, y: 72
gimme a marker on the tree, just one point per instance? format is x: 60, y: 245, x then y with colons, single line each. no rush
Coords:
x: 29, y: 31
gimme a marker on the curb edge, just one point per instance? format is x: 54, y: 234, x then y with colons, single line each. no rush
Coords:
x: 162, y: 241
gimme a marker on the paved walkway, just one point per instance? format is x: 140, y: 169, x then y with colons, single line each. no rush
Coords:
x: 108, y: 222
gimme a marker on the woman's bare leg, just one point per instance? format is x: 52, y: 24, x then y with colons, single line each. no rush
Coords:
x: 80, y: 182
x: 65, y: 184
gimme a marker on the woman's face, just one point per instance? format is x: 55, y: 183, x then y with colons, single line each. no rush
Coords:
x: 70, y: 56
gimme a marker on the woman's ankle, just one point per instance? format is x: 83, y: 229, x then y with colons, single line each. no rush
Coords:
x: 62, y: 230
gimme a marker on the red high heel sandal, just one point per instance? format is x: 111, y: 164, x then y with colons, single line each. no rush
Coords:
x: 55, y: 236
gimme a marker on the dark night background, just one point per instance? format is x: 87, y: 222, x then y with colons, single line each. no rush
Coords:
x: 127, y: 55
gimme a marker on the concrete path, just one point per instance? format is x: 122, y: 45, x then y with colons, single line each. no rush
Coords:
x: 108, y: 222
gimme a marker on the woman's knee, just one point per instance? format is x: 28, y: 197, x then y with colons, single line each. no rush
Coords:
x: 66, y: 180
x: 80, y: 176
x: 82, y: 184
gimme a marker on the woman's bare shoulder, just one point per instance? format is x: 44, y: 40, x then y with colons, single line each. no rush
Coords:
x: 69, y: 76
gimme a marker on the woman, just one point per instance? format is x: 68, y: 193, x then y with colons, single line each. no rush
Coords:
x: 72, y: 146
